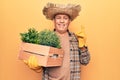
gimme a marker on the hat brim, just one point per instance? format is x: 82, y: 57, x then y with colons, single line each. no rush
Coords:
x: 50, y: 12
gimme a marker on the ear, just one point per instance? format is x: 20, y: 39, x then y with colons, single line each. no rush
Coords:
x: 70, y: 20
x: 53, y: 20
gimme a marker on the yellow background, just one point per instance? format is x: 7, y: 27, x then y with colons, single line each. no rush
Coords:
x: 101, y: 19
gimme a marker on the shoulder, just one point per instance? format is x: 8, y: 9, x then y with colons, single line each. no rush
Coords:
x: 71, y: 34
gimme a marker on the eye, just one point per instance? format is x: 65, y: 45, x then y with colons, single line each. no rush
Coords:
x: 57, y: 17
x: 66, y: 18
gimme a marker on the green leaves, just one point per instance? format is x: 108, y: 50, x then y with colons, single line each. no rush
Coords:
x: 32, y: 36
x: 49, y: 38
x: 45, y: 37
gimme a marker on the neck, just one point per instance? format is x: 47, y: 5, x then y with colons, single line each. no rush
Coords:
x: 62, y: 34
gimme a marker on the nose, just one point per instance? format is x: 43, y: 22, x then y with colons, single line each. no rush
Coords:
x: 62, y: 20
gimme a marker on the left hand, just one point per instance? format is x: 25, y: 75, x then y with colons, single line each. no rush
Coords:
x: 82, y: 37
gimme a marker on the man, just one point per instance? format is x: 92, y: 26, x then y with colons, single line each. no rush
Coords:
x: 74, y: 55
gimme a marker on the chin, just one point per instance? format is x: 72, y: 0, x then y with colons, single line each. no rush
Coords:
x: 62, y: 31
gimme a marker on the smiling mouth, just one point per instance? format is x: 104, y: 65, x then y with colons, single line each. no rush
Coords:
x: 61, y: 24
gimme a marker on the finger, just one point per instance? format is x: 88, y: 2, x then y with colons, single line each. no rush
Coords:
x: 32, y: 61
x: 82, y: 28
x: 29, y: 61
x: 25, y: 61
x: 35, y: 62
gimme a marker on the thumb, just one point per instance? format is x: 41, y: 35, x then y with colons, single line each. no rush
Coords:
x: 25, y: 61
x: 81, y: 34
x: 82, y: 28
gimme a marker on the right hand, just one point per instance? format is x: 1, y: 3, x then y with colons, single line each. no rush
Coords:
x: 32, y: 62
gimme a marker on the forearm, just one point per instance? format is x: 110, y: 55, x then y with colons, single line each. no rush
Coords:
x: 84, y: 55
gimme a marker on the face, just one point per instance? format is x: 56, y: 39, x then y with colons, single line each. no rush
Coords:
x: 61, y: 22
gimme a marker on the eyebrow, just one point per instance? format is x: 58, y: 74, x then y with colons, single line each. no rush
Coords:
x: 63, y: 14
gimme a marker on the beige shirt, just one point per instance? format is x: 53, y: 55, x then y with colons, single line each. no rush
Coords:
x: 62, y: 72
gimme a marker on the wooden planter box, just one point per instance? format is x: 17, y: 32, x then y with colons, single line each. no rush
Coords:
x: 47, y: 56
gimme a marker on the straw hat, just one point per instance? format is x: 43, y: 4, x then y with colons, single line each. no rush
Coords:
x: 50, y: 10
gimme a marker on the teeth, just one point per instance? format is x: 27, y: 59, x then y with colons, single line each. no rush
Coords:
x: 61, y: 24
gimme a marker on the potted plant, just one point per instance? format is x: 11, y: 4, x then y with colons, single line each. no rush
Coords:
x: 45, y: 45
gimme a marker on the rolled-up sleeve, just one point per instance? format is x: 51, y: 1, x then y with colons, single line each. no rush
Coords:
x: 84, y: 56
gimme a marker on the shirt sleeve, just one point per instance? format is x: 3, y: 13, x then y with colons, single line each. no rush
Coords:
x: 84, y: 56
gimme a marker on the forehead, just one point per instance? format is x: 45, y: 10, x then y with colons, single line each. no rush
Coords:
x: 62, y: 15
